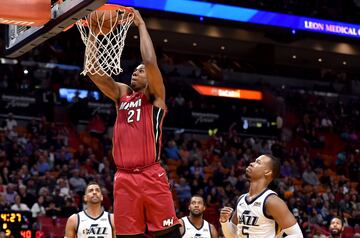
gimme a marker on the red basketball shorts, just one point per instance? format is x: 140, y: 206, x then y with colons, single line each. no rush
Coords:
x: 142, y: 197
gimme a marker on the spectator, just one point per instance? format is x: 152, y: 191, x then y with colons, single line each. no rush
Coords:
x: 183, y: 191
x: 25, y: 196
x: 64, y: 187
x: 171, y: 151
x: 229, y: 159
x: 286, y: 170
x: 97, y: 126
x: 76, y: 182
x: 10, y: 194
x: 18, y: 206
x: 70, y: 207
x: 11, y: 123
x: 310, y: 177
x: 38, y: 208
x: 52, y: 210
x: 197, y: 168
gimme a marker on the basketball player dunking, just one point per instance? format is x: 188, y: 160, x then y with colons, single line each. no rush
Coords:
x: 260, y: 211
x: 141, y: 191
x: 194, y: 225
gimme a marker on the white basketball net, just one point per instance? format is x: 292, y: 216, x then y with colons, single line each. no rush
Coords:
x: 104, y: 46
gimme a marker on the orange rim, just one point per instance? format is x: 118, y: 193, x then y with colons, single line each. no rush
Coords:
x: 103, y: 8
x: 114, y: 7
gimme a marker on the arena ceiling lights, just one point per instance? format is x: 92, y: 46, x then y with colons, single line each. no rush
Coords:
x: 246, y: 15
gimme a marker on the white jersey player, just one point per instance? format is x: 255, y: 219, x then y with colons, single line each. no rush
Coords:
x: 259, y: 211
x: 93, y: 222
x: 252, y: 219
x: 194, y: 226
x: 89, y: 226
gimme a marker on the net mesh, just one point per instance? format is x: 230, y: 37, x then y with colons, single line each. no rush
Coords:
x: 103, y: 33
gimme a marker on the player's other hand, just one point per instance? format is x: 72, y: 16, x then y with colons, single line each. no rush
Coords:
x: 137, y: 17
x: 225, y: 214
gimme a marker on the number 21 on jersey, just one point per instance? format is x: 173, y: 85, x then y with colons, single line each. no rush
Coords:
x: 133, y: 115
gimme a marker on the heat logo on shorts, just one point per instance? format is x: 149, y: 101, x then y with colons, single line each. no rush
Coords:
x: 168, y: 222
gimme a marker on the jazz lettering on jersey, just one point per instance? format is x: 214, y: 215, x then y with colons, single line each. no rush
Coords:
x: 247, y: 219
x: 130, y: 105
x: 94, y: 229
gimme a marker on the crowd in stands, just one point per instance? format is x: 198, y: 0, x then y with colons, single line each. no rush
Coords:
x: 45, y: 165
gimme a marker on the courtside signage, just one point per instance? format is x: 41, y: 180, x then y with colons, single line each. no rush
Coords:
x: 228, y: 92
x: 241, y: 14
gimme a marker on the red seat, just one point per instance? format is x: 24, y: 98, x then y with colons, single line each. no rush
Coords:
x: 348, y: 232
x: 58, y: 232
x: 47, y: 230
x: 44, y: 220
x: 61, y: 221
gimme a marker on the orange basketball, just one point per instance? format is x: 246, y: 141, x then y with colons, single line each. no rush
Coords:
x: 104, y: 21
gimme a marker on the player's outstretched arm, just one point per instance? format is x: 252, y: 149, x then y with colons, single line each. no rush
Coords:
x: 278, y: 209
x: 228, y: 226
x: 70, y: 228
x: 155, y: 80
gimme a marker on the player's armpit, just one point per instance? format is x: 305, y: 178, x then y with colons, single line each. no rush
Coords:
x: 155, y: 80
x: 107, y: 86
x: 70, y: 228
x: 277, y: 208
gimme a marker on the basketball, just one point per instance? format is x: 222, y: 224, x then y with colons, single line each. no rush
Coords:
x: 102, y: 22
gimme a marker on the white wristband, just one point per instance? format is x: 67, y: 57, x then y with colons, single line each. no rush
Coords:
x: 293, y: 231
x: 229, y: 229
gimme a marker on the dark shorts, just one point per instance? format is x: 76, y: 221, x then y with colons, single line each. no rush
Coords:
x: 143, y: 198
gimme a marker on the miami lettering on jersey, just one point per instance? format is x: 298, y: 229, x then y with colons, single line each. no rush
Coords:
x: 130, y: 105
x: 133, y: 108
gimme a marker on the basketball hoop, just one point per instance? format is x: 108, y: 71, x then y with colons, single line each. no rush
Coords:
x: 103, y: 33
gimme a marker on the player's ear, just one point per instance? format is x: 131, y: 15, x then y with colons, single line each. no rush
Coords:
x: 84, y: 199
x: 268, y: 173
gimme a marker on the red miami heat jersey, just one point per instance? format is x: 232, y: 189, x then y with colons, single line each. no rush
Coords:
x: 137, y: 132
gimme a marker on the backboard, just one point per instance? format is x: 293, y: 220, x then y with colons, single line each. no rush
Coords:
x: 23, y: 37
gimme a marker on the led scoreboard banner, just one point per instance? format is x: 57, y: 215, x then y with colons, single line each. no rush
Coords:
x: 18, y: 224
x: 247, y: 15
